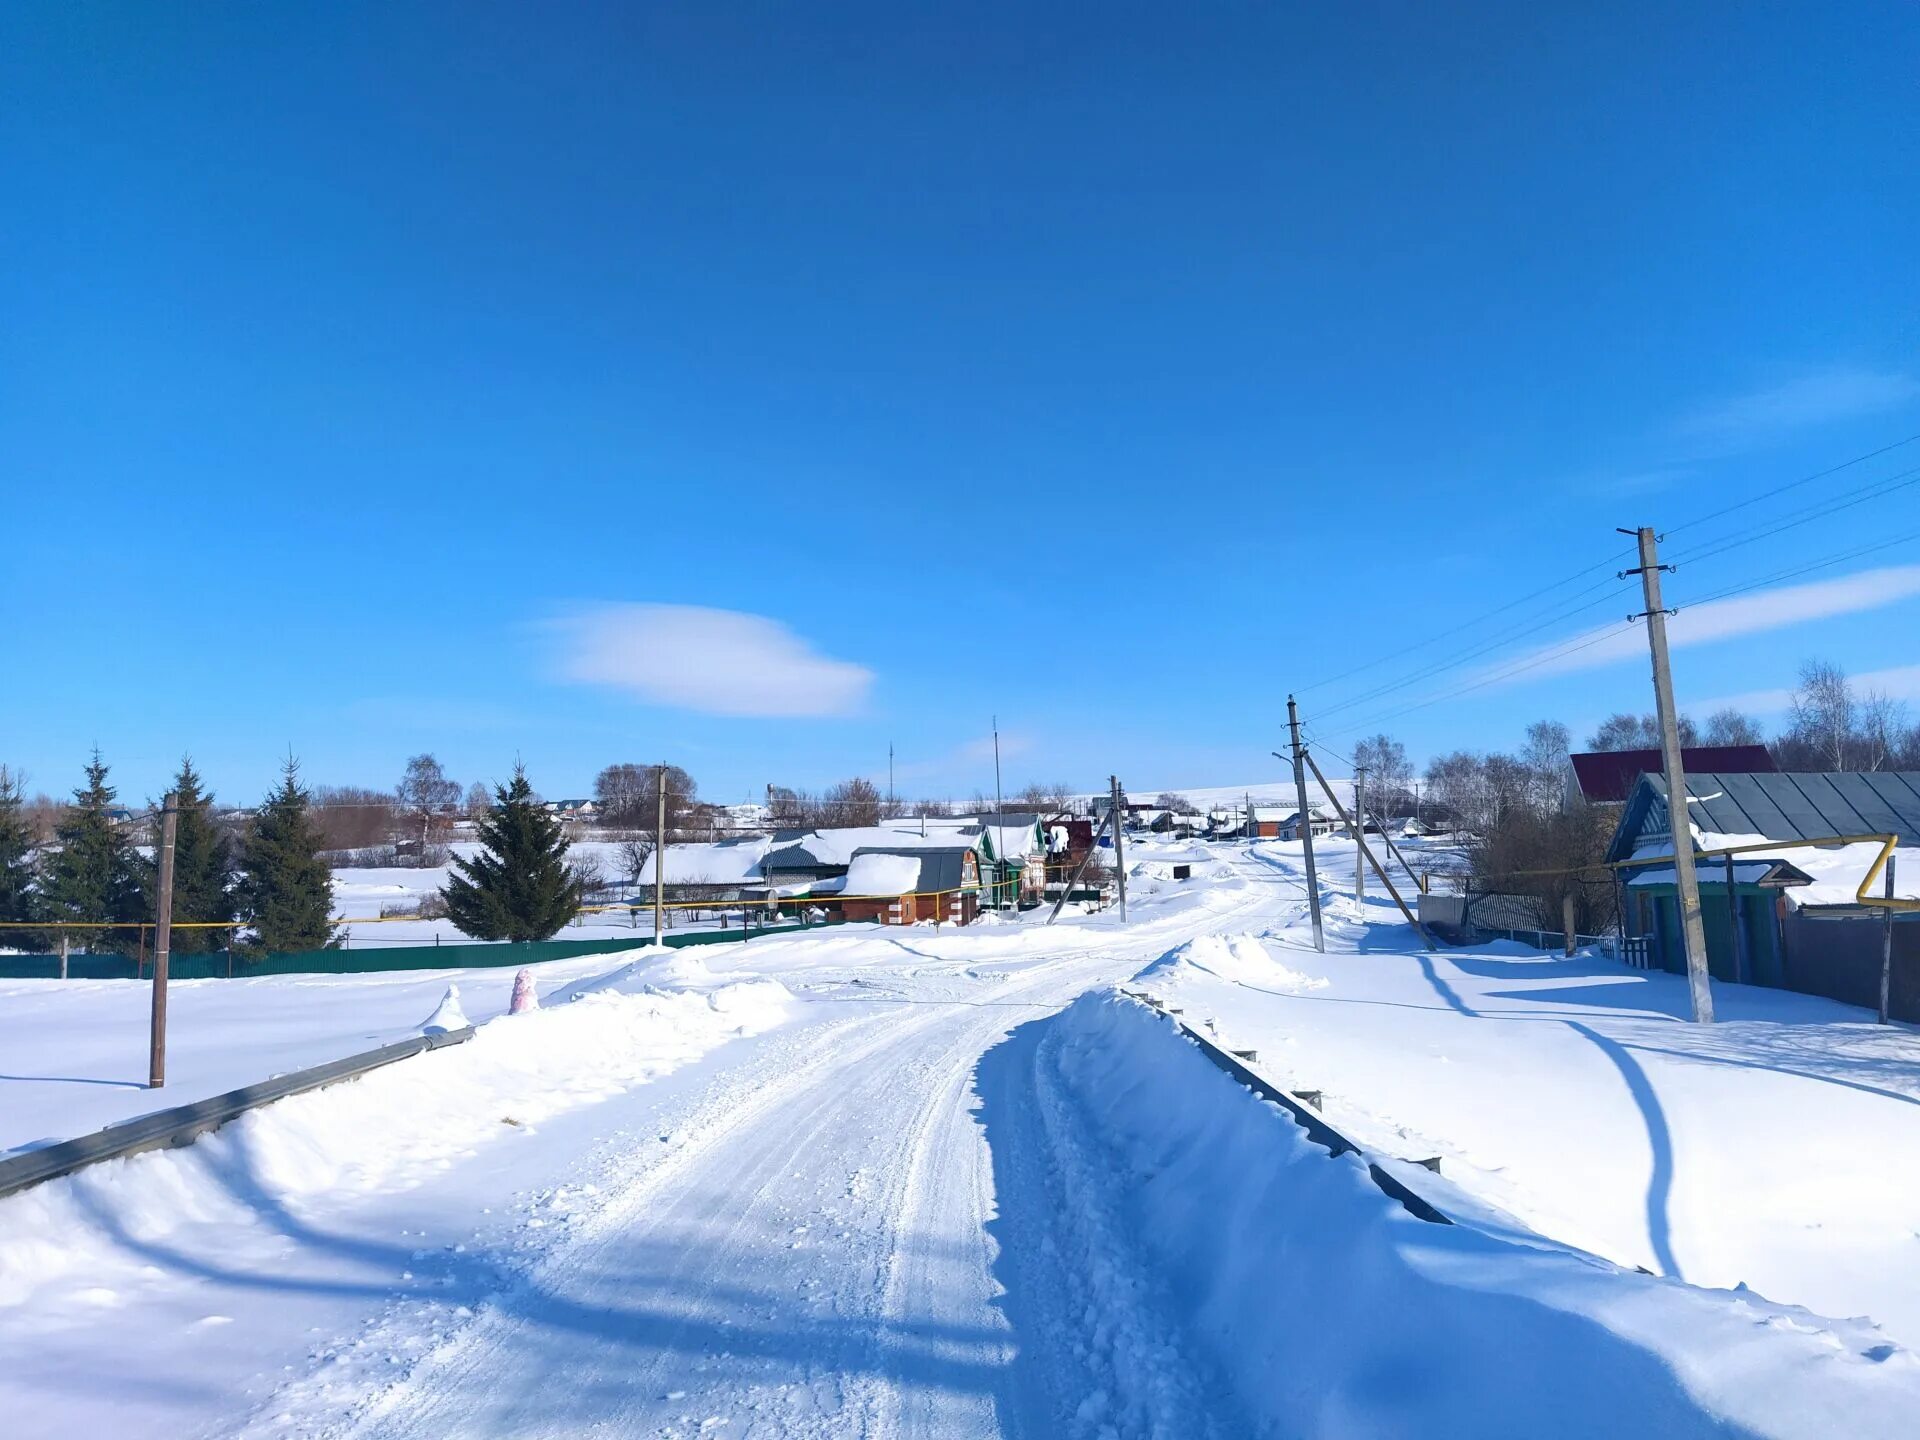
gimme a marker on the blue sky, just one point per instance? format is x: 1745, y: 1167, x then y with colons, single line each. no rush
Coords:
x: 396, y: 377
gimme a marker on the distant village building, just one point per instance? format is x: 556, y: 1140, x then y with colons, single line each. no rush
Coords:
x: 862, y: 872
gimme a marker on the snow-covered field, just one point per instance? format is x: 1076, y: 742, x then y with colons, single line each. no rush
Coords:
x: 360, y: 895
x: 898, y: 1182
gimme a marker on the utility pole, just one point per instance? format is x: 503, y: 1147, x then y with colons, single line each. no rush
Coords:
x: 1306, y: 825
x: 1692, y: 927
x: 1119, y: 843
x: 1359, y: 834
x: 162, y: 943
x: 1378, y: 869
x: 660, y: 851
x: 890, y: 801
x: 1000, y: 818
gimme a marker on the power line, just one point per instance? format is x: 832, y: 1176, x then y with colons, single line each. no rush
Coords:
x: 1731, y: 540
x: 1790, y: 485
x: 1454, y: 662
x: 1805, y: 515
x: 1807, y: 569
x: 1583, y: 642
x: 1608, y: 563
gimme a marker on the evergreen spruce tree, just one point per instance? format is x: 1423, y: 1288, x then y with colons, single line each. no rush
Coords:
x: 286, y: 895
x: 93, y: 874
x: 518, y: 887
x: 18, y: 900
x: 202, y: 869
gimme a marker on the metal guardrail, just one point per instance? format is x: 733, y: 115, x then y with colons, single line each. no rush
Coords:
x: 183, y: 1124
x: 1319, y: 1131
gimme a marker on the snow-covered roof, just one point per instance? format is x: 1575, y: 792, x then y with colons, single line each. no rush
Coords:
x: 832, y: 848
x: 724, y: 862
x: 877, y: 872
x: 1016, y: 840
x: 1711, y: 872
x: 919, y: 869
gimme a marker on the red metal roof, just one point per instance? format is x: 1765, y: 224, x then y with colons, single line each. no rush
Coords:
x: 1606, y: 776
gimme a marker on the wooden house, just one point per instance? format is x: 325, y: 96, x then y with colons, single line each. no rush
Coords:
x: 1790, y: 917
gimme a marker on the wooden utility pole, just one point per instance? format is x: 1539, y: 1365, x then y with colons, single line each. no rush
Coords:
x: 1080, y: 869
x: 1359, y: 833
x: 659, y: 851
x: 1306, y: 824
x: 1119, y: 843
x: 1692, y: 927
x: 1000, y: 818
x: 1886, y: 950
x: 162, y: 942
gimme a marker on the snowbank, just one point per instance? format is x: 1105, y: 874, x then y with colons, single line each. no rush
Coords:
x: 389, y: 1130
x: 1240, y: 959
x: 1329, y: 1311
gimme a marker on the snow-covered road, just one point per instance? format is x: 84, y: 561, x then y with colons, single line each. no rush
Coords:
x: 811, y: 1257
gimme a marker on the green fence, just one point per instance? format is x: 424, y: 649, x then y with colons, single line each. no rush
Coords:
x: 220, y: 963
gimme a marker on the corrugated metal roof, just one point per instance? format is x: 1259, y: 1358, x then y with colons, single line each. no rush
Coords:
x: 1606, y: 776
x: 1780, y: 806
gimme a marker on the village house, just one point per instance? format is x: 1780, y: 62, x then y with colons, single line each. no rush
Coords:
x: 900, y: 886
x: 1006, y: 863
x: 1791, y: 917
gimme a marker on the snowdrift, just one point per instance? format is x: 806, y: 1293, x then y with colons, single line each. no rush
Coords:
x: 388, y: 1130
x: 1330, y: 1312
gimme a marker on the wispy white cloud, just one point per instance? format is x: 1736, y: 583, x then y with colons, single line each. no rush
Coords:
x: 717, y: 662
x: 1902, y: 682
x: 1716, y: 620
x: 1818, y: 397
x: 971, y: 758
x: 982, y: 749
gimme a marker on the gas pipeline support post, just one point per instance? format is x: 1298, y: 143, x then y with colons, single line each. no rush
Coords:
x: 659, y: 853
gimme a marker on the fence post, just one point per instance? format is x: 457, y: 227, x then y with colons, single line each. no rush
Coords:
x: 1886, y: 951
x: 1566, y: 921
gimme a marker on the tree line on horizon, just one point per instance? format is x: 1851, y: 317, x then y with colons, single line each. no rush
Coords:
x: 263, y: 887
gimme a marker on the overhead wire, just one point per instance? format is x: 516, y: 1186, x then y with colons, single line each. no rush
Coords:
x: 1766, y: 495
x: 1583, y: 642
x: 1731, y: 540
